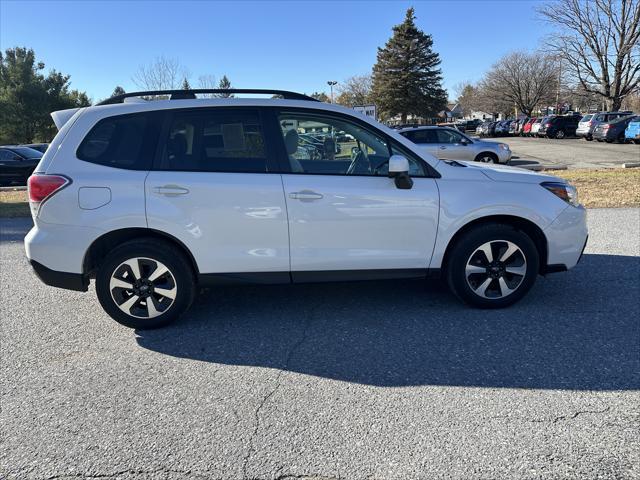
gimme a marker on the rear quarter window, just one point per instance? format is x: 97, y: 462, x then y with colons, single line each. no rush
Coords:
x: 123, y: 141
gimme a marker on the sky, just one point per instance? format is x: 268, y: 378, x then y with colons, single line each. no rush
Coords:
x: 290, y: 45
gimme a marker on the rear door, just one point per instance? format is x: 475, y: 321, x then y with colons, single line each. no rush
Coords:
x: 215, y: 187
x: 353, y: 221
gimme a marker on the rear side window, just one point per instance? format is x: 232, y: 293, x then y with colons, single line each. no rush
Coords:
x: 215, y: 141
x: 123, y: 141
x: 586, y: 118
x: 421, y: 136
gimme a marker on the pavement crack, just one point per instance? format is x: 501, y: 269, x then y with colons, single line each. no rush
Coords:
x: 292, y: 351
x: 134, y: 472
x: 578, y: 413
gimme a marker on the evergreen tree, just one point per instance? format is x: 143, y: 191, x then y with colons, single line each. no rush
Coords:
x: 118, y: 91
x: 27, y: 97
x: 406, y: 77
x: 185, y: 84
x: 225, y: 83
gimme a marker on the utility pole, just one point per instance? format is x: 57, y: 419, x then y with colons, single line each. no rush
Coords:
x: 331, y: 83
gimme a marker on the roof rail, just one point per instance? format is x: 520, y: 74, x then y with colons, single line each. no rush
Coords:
x: 191, y: 94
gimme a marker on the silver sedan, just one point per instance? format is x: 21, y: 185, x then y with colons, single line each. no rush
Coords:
x: 450, y: 144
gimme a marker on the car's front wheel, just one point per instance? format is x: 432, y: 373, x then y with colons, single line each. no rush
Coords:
x: 560, y: 134
x: 487, y: 157
x: 492, y: 266
x: 145, y: 284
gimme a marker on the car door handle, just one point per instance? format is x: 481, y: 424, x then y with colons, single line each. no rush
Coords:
x: 171, y: 190
x: 305, y: 195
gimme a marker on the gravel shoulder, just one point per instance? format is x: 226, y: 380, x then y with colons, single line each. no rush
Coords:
x: 388, y: 380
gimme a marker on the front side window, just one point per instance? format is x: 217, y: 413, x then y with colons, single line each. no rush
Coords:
x: 123, y: 141
x: 215, y: 141
x: 449, y: 136
x: 318, y: 144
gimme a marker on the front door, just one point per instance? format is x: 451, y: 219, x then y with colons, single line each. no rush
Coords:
x: 345, y: 214
x: 452, y: 145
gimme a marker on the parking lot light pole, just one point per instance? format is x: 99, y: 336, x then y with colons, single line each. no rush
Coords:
x: 331, y: 83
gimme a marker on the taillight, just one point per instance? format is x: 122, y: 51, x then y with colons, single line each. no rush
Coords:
x: 547, y: 125
x: 42, y: 187
x: 606, y: 127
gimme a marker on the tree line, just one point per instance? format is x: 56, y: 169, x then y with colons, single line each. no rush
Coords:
x: 590, y: 60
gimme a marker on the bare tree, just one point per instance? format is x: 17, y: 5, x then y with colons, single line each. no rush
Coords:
x: 522, y: 80
x: 161, y: 74
x: 355, y: 90
x: 599, y: 41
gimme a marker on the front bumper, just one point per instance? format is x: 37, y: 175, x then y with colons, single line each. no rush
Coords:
x: 567, y: 237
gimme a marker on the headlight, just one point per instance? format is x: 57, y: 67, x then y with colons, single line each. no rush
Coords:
x: 504, y: 146
x: 565, y: 191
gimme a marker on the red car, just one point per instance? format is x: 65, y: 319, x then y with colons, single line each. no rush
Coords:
x: 526, y: 130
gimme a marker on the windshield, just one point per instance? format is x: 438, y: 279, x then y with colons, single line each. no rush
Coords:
x: 27, y: 152
x: 586, y: 118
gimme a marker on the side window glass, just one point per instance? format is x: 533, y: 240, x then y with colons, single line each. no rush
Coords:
x: 332, y: 146
x: 125, y: 141
x: 448, y: 136
x: 336, y: 146
x: 4, y: 155
x: 215, y: 141
x: 425, y: 135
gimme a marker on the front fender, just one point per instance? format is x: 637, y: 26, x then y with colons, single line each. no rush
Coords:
x: 462, y: 202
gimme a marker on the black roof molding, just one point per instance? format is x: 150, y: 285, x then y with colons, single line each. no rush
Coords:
x: 191, y: 94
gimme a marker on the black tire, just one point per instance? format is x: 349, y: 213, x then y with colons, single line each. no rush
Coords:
x: 484, y: 156
x: 469, y: 243
x: 181, y: 276
x: 588, y: 138
x: 637, y: 142
x: 560, y: 134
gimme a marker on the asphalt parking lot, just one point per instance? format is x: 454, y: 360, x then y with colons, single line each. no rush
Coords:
x: 382, y: 380
x: 569, y: 152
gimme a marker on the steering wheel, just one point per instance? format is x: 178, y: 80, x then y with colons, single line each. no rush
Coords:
x: 359, y: 162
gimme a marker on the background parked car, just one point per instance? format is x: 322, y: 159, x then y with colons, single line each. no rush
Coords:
x: 450, y: 144
x: 469, y: 125
x: 502, y: 128
x: 526, y: 128
x: 17, y: 164
x: 633, y: 131
x: 41, y: 147
x: 613, y: 131
x: 559, y: 126
x: 588, y: 123
x: 535, y: 126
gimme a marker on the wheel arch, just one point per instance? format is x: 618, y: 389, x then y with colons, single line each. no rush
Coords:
x: 103, y: 244
x: 519, y: 223
x: 488, y: 153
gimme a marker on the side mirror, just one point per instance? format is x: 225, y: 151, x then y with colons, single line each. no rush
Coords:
x: 399, y: 171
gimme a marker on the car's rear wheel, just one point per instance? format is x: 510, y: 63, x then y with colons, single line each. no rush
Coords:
x: 560, y: 134
x: 145, y: 284
x: 487, y: 157
x: 637, y: 142
x: 492, y: 266
x: 588, y: 138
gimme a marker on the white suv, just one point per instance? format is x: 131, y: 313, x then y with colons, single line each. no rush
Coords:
x: 153, y: 198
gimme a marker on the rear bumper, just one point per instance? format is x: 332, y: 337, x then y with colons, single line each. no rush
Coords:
x: 53, y: 278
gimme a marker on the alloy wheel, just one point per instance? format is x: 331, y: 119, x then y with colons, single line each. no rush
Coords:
x: 486, y: 159
x: 496, y: 269
x: 143, y: 287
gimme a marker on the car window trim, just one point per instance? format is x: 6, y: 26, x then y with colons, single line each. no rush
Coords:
x: 428, y: 170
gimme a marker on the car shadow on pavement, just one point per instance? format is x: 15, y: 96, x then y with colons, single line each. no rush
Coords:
x: 579, y: 330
